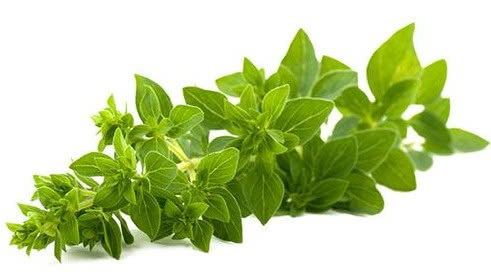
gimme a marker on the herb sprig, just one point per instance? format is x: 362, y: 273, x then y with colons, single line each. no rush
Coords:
x: 171, y: 179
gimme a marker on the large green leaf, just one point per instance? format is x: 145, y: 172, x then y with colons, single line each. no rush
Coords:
x: 396, y: 172
x: 220, y: 167
x: 146, y: 214
x: 210, y: 102
x: 336, y: 158
x: 373, y: 147
x: 466, y: 142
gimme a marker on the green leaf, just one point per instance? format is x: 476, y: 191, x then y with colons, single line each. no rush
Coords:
x: 127, y: 236
x: 58, y: 246
x: 432, y: 82
x: 184, y: 118
x: 119, y: 143
x: 217, y: 209
x: 345, y: 127
x: 251, y: 73
x: 48, y: 197
x: 303, y: 117
x: 220, y: 166
x: 87, y: 166
x: 107, y: 166
x: 274, y: 101
x: 171, y: 210
x: 325, y: 194
x: 331, y: 85
x: 155, y: 144
x: 232, y: 230
x: 112, y: 241
x: 148, y: 89
x: 232, y: 84
x: 108, y: 196
x: 373, y: 147
x: 422, y: 160
x: 220, y: 143
x: 353, y: 101
x: 394, y: 61
x: 149, y: 107
x: 69, y: 230
x: 301, y: 61
x: 195, y: 210
x: 336, y: 158
x: 399, y: 96
x: 431, y: 127
x: 329, y: 64
x: 248, y: 99
x: 146, y: 214
x: 362, y: 195
x: 440, y: 108
x: 396, y: 172
x: 202, y: 233
x: 159, y: 170
x: 210, y: 102
x: 264, y: 193
x: 467, y: 142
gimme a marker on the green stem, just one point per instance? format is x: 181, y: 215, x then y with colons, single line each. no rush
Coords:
x: 85, y: 204
x: 186, y: 163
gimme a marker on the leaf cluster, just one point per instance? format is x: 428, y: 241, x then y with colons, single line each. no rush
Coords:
x: 173, y: 180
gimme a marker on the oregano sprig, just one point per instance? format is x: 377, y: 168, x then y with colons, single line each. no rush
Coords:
x: 171, y: 179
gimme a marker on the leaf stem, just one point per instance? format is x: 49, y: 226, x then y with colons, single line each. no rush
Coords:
x: 186, y: 163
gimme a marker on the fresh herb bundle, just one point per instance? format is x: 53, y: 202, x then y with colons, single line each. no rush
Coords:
x: 171, y: 179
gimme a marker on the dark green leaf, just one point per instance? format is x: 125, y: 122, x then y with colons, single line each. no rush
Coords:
x: 232, y: 230
x: 146, y: 214
x: 399, y: 96
x: 112, y: 241
x: 202, y: 233
x: 195, y: 210
x: 363, y: 196
x: 325, y: 194
x: 159, y: 169
x: 217, y: 209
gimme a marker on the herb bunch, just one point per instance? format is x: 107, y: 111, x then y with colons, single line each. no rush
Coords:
x: 170, y: 178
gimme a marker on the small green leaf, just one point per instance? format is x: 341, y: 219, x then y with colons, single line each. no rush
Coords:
x: 232, y: 84
x: 329, y: 64
x: 421, y: 160
x: 144, y: 86
x: 171, y: 210
x: 146, y: 214
x: 274, y: 101
x: 232, y: 230
x: 264, y: 193
x: 251, y: 73
x: 362, y: 195
x: 107, y: 166
x: 431, y: 127
x: 184, y: 118
x: 112, y: 241
x: 217, y: 209
x: 220, y: 143
x: 155, y: 144
x: 467, y: 142
x: 396, y: 172
x: 353, y: 101
x: 149, y: 106
x: 432, y: 82
x: 440, y: 108
x: 108, y: 196
x: 210, y: 102
x: 159, y: 170
x: 336, y: 158
x: 220, y: 166
x: 325, y: 194
x: 373, y: 147
x: 48, y: 197
x: 119, y: 143
x: 399, y: 96
x: 87, y: 166
x: 195, y: 210
x: 303, y: 117
x: 127, y: 236
x: 58, y: 246
x: 69, y: 230
x: 394, y: 61
x: 301, y: 61
x: 331, y: 85
x: 345, y: 127
x: 248, y: 99
x: 202, y: 233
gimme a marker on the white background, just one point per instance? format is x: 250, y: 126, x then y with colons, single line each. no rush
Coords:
x: 59, y: 60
